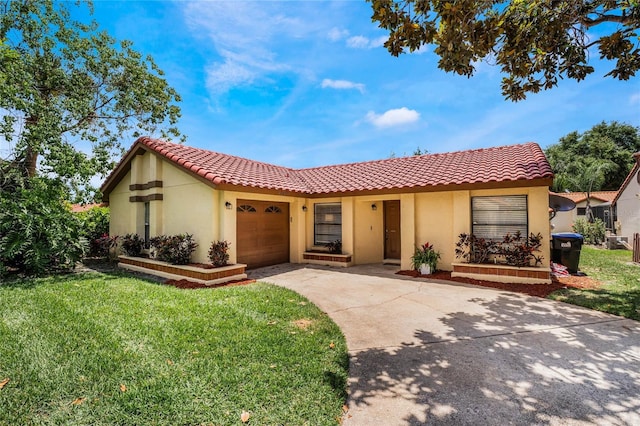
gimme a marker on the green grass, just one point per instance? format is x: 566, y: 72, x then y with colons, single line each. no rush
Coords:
x: 185, y: 357
x: 620, y: 294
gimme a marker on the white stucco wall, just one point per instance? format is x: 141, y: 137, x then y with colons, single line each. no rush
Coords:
x: 629, y: 208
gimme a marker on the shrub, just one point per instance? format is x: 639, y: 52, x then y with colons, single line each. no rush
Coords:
x: 175, y: 249
x: 519, y: 251
x: 38, y: 232
x: 104, y: 245
x: 474, y: 249
x: 132, y: 245
x: 94, y: 226
x: 335, y: 247
x: 514, y: 249
x: 593, y: 233
x: 218, y: 253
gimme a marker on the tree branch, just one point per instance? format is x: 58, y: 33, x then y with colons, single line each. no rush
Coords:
x: 620, y: 19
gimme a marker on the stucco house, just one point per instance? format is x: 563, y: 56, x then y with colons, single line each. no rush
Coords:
x: 601, y: 207
x: 380, y: 210
x: 627, y: 202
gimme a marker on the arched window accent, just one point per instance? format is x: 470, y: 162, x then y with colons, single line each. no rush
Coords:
x: 273, y: 209
x: 246, y: 208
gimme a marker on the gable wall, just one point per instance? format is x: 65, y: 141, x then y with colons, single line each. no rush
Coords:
x: 629, y: 208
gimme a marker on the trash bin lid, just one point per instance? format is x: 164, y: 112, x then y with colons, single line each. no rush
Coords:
x: 568, y: 235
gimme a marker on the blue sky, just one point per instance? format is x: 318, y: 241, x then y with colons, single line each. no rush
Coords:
x: 308, y: 83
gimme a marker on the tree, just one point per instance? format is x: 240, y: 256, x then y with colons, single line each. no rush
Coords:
x: 65, y: 84
x: 534, y: 42
x: 613, y: 142
x: 68, y: 95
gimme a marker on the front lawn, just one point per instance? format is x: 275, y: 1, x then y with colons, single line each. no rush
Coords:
x: 110, y: 349
x: 620, y: 294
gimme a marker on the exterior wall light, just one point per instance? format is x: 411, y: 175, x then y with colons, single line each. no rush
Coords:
x: 304, y: 208
x: 374, y: 207
x: 228, y: 205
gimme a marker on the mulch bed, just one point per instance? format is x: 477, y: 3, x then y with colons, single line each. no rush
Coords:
x: 539, y: 290
x: 190, y: 285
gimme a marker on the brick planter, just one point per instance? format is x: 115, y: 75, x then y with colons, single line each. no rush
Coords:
x: 184, y: 272
x: 502, y: 273
x: 341, y: 260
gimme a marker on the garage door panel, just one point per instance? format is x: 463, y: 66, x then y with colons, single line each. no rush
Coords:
x: 262, y: 233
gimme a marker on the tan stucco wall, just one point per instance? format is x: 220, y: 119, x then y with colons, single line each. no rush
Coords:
x: 368, y: 231
x: 188, y: 207
x: 122, y: 216
x: 434, y: 224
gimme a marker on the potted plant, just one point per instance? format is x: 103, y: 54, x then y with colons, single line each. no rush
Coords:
x: 425, y: 259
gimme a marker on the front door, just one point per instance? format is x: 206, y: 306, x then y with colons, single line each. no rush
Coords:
x: 392, y: 229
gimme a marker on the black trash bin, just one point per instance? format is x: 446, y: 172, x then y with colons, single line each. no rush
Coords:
x: 565, y: 250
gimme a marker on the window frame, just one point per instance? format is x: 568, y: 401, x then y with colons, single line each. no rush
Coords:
x: 317, y: 207
x: 498, y: 214
x: 147, y: 224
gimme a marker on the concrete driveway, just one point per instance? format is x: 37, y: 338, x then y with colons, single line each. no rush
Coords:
x: 434, y: 352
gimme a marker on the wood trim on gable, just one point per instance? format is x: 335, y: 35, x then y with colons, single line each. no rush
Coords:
x: 145, y: 198
x: 143, y: 186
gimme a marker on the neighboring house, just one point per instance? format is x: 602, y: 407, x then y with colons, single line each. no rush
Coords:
x: 627, y: 202
x: 601, y: 202
x: 380, y: 210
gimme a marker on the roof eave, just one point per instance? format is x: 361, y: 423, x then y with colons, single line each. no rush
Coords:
x: 138, y: 148
x: 522, y: 183
x: 634, y: 170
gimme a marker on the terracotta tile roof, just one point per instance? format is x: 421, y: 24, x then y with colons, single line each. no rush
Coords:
x: 500, y: 164
x: 228, y: 169
x: 605, y: 196
x: 77, y: 208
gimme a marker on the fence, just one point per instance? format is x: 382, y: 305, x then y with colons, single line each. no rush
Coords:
x: 636, y: 248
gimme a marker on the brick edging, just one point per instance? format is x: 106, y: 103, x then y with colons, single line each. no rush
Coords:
x: 186, y: 271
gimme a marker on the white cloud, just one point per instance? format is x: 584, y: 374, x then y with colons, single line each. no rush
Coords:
x: 634, y: 99
x: 336, y: 34
x: 393, y: 117
x: 245, y: 37
x: 358, y: 42
x: 223, y: 76
x: 362, y: 42
x: 342, y: 85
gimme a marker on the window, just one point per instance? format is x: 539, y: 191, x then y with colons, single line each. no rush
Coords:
x: 146, y: 225
x: 246, y: 208
x: 327, y: 223
x: 495, y: 217
x: 582, y: 211
x: 273, y: 209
